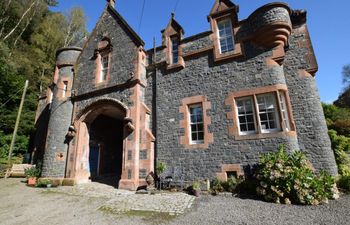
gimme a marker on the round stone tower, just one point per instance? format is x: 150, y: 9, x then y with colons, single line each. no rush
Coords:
x: 55, y: 156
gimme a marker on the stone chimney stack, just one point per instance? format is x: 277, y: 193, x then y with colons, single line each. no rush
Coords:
x: 111, y: 3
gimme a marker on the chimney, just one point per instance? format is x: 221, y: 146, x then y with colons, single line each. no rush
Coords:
x: 111, y: 3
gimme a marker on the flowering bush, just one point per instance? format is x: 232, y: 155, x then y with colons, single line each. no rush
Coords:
x: 230, y: 185
x: 291, y: 179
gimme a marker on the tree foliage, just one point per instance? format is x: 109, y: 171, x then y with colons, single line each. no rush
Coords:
x: 30, y: 35
x: 344, y: 98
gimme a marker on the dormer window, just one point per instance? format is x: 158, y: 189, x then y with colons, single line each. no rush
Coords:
x: 225, y: 36
x: 174, y: 50
x: 104, y: 67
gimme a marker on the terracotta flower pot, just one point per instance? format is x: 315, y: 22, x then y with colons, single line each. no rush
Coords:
x: 196, y: 192
x: 32, y: 181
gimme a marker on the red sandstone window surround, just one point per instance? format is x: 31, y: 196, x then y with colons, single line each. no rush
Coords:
x: 103, y: 60
x: 195, y: 122
x: 260, y: 113
x: 224, y: 25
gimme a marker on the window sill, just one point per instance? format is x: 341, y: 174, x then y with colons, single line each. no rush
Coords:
x: 236, y: 52
x: 175, y: 66
x: 266, y: 135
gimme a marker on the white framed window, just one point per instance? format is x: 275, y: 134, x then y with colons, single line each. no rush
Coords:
x: 174, y: 50
x: 268, y: 113
x: 225, y: 34
x: 246, y: 115
x: 64, y: 89
x: 284, y: 111
x: 262, y: 113
x: 104, y: 67
x: 196, y: 123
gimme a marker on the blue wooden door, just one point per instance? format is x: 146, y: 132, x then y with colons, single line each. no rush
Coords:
x: 94, y: 158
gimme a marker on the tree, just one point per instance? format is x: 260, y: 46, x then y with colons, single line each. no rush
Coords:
x: 346, y: 75
x: 344, y: 98
x: 30, y: 35
x: 75, y: 28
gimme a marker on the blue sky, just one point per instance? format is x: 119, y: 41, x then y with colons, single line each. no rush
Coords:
x: 327, y: 23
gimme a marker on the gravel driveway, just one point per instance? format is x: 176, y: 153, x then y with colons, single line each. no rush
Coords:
x: 23, y: 205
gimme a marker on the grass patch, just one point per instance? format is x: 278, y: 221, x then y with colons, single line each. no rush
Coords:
x: 147, y: 216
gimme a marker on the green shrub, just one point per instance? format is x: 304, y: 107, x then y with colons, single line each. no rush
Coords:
x: 32, y: 172
x: 230, y: 185
x: 216, y: 186
x: 344, y: 183
x: 341, y: 148
x: 342, y: 126
x: 43, y: 182
x: 290, y: 179
x: 196, y: 185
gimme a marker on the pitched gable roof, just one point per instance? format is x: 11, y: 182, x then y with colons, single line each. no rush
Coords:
x: 136, y: 38
x: 175, y: 25
x: 221, y: 5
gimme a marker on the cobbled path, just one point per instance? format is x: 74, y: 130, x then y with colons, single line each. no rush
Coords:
x: 174, y: 203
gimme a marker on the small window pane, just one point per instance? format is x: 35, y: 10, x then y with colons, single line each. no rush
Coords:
x: 200, y: 136
x: 194, y: 127
x: 199, y: 118
x: 194, y: 137
x: 200, y: 126
x: 242, y: 119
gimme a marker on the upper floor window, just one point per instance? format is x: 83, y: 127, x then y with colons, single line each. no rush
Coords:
x: 104, y: 67
x: 225, y: 36
x: 174, y: 50
x: 196, y: 123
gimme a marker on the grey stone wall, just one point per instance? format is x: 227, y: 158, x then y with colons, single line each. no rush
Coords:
x: 60, y: 120
x: 307, y: 110
x: 41, y: 125
x: 268, y: 16
x: 124, y: 55
x: 202, y: 77
x: 193, y: 45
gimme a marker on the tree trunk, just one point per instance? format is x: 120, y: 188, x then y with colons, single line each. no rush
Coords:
x: 25, y: 27
x: 20, y: 20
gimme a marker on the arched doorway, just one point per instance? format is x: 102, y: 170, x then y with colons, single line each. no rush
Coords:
x: 100, y: 142
x: 106, y: 149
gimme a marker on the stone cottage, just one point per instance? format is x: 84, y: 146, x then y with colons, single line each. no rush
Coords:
x: 206, y: 105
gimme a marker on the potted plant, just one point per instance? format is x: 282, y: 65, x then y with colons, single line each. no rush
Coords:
x: 161, y: 167
x: 44, y: 182
x: 196, y: 188
x: 32, y: 175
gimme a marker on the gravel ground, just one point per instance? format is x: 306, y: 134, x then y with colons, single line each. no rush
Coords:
x: 23, y: 205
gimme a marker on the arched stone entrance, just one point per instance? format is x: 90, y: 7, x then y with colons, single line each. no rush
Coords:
x: 98, y: 149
